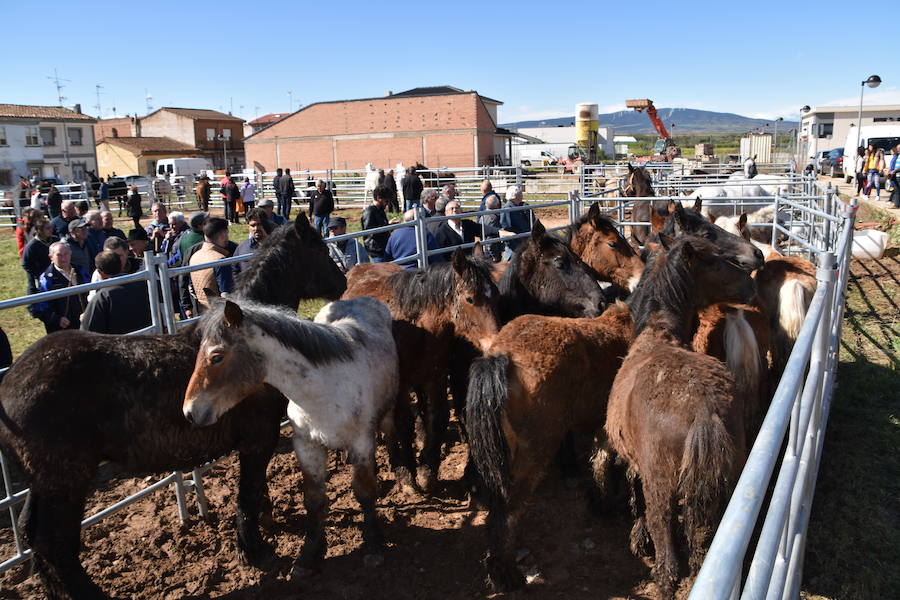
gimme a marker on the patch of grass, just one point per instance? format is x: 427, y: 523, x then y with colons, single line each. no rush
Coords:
x: 853, y: 549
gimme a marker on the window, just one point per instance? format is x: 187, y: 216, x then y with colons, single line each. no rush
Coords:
x: 5, y: 177
x: 48, y: 136
x: 78, y: 170
x: 826, y: 130
x: 3, y: 141
x: 75, y: 138
x: 226, y: 133
x: 32, y: 137
x: 210, y: 135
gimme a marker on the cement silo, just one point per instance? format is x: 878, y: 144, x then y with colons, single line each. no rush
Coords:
x: 587, y: 127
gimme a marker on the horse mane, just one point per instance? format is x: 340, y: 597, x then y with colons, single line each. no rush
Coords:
x: 572, y: 229
x: 415, y: 291
x: 666, y: 287
x: 318, y: 342
x: 258, y: 280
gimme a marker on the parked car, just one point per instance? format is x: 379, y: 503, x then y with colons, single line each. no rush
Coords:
x: 817, y: 161
x: 833, y: 163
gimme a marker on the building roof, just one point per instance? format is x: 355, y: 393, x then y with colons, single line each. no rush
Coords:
x: 268, y: 119
x: 142, y: 145
x: 198, y: 113
x: 24, y: 111
x: 438, y: 90
x: 853, y: 109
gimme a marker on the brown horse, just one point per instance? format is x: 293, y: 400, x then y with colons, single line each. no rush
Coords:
x: 639, y: 185
x: 541, y: 378
x: 785, y: 287
x: 596, y: 240
x: 447, y: 303
x: 673, y: 414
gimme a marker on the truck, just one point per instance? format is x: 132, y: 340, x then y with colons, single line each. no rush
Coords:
x: 181, y: 167
x: 664, y: 149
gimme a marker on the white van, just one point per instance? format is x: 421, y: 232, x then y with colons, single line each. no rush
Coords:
x: 181, y: 167
x: 881, y: 136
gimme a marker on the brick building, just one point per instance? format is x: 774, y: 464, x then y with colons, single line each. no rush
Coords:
x: 435, y: 126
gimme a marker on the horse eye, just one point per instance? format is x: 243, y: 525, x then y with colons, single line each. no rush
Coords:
x: 216, y: 358
x: 469, y: 300
x: 611, y: 244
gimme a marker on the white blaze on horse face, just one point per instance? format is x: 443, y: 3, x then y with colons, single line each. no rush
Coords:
x: 632, y: 282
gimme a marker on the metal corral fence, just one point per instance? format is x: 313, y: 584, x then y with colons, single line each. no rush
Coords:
x: 818, y: 226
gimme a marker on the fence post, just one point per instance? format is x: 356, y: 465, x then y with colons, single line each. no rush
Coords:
x: 519, y: 178
x: 775, y: 222
x: 168, y: 304
x: 153, y: 292
x: 421, y: 237
x: 582, y: 180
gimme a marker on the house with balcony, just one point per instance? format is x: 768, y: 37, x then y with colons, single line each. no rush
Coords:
x: 45, y: 141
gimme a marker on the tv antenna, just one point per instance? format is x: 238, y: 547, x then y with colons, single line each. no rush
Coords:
x: 97, y: 106
x: 147, y: 99
x: 256, y: 111
x: 57, y: 81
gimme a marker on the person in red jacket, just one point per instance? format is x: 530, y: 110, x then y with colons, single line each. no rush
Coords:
x: 26, y: 227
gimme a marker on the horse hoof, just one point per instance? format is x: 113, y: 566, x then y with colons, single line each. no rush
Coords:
x: 373, y: 561
x: 302, y: 573
x: 263, y: 558
x: 404, y: 480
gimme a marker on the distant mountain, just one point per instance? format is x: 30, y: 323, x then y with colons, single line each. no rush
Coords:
x: 685, y: 120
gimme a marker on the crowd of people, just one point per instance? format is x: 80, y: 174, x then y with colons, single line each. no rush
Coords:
x: 875, y: 171
x: 67, y: 244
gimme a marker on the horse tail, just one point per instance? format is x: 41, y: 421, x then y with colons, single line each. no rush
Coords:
x: 742, y: 359
x: 793, y: 300
x: 704, y: 480
x: 485, y: 401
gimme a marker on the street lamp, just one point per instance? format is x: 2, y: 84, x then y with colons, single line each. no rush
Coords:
x: 805, y: 109
x: 775, y: 140
x: 224, y: 140
x: 873, y: 82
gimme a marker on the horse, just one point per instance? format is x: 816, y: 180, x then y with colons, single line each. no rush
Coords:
x: 339, y: 374
x: 541, y: 378
x: 371, y: 181
x: 438, y: 312
x: 739, y: 225
x: 673, y: 415
x: 596, y: 240
x: 545, y: 277
x: 74, y: 399
x: 639, y: 185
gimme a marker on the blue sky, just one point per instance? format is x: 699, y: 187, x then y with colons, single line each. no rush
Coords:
x: 539, y: 58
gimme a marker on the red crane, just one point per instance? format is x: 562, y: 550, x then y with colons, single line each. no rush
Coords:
x: 664, y: 145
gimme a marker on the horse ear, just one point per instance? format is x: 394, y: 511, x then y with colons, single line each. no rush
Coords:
x: 742, y: 221
x: 688, y: 252
x: 234, y: 316
x: 301, y: 224
x: 458, y: 260
x: 698, y: 204
x: 537, y: 230
x: 630, y: 168
x: 679, y: 218
x: 594, y: 212
x: 478, y: 250
x: 672, y: 206
x: 666, y: 241
x: 211, y: 295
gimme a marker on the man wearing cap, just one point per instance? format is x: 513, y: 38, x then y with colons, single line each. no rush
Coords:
x: 137, y: 244
x: 347, y: 253
x: 259, y: 228
x: 193, y: 236
x: 82, y: 256
x: 268, y: 206
x: 61, y: 313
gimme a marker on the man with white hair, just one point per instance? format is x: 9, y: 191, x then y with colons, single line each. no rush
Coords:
x: 62, y: 313
x: 60, y: 223
x: 402, y: 243
x: 516, y: 222
x: 454, y: 232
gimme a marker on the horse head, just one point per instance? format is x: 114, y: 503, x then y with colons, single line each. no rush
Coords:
x: 684, y: 221
x: 638, y: 183
x: 595, y: 238
x: 226, y: 370
x: 557, y: 281
x: 476, y: 298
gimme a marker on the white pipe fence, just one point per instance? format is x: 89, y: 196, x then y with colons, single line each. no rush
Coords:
x: 817, y: 226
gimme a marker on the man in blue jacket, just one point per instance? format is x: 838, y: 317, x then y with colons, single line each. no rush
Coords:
x: 402, y: 243
x: 62, y: 313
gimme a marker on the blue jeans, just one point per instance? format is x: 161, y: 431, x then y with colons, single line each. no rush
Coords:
x: 874, y: 180
x: 408, y: 205
x: 322, y: 224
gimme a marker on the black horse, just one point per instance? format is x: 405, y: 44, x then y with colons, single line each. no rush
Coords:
x: 75, y: 399
x: 638, y: 185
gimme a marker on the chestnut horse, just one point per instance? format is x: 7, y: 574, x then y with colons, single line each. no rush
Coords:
x: 339, y: 374
x: 74, y: 399
x: 596, y: 240
x: 444, y: 305
x: 673, y: 414
x: 639, y: 185
x: 541, y: 378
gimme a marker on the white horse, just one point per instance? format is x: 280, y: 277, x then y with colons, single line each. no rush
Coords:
x: 371, y: 180
x: 340, y: 376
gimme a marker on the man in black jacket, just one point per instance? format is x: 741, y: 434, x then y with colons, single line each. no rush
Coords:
x: 454, y: 232
x: 286, y: 191
x: 119, y: 309
x: 321, y: 205
x: 36, y: 256
x: 374, y: 216
x: 412, y: 188
x: 276, y: 185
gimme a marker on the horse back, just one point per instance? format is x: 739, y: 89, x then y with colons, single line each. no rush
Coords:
x: 370, y: 279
